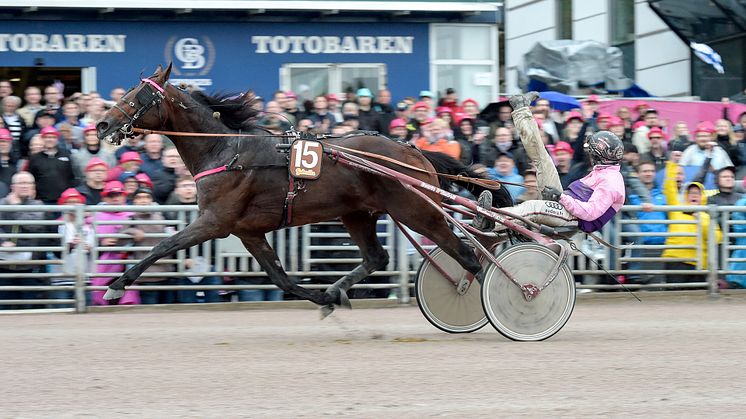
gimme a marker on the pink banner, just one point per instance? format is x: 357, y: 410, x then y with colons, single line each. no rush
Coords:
x: 671, y: 112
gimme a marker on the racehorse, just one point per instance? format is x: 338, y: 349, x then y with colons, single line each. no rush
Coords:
x: 249, y: 202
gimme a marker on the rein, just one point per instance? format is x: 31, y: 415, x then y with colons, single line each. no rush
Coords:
x: 485, y: 183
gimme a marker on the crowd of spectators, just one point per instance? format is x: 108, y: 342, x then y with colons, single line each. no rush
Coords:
x: 50, y: 154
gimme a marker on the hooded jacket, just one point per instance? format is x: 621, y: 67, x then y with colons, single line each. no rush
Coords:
x: 701, y: 228
x: 596, y: 198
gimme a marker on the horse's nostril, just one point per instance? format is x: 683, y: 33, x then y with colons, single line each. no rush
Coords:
x: 101, y: 127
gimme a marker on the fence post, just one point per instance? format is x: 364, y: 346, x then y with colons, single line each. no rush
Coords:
x: 402, y: 258
x: 712, y: 252
x: 80, y: 261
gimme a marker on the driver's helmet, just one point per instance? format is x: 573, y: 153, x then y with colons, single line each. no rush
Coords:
x: 604, y: 147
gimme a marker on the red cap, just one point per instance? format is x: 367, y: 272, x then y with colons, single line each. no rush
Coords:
x: 49, y: 131
x: 112, y: 186
x: 69, y: 194
x: 89, y: 127
x: 427, y: 121
x: 332, y: 96
x: 421, y: 105
x: 5, y: 135
x: 563, y: 146
x: 397, y: 123
x: 443, y: 109
x: 615, y: 121
x: 472, y: 101
x: 460, y: 116
x: 642, y: 105
x: 144, y: 178
x: 656, y: 130
x: 705, y: 126
x: 95, y: 162
x: 574, y: 115
x: 130, y: 156
x: 637, y: 125
x: 291, y: 94
x: 603, y: 115
x: 592, y: 98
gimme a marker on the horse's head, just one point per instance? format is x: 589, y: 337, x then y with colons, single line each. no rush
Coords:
x: 139, y: 108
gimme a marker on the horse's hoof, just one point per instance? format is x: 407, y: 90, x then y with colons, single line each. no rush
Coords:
x: 344, y: 300
x: 326, y: 310
x: 112, y: 294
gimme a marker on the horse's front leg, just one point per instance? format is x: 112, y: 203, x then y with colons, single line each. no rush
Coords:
x: 204, y: 228
x: 260, y: 249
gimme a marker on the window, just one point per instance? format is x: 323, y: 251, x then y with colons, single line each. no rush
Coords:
x: 622, y: 15
x: 309, y: 80
x: 564, y: 19
x: 465, y: 57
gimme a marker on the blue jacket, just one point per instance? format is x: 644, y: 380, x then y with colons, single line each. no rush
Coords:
x: 656, y: 198
x: 515, y: 191
x: 740, y: 241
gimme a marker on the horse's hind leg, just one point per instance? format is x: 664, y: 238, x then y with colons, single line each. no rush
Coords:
x: 260, y: 249
x: 361, y: 226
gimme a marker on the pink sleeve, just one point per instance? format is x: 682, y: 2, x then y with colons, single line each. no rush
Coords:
x: 600, y: 201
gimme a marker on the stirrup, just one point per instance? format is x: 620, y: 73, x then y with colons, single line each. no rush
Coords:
x: 481, y: 222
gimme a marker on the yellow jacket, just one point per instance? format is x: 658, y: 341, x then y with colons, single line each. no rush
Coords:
x: 672, y: 198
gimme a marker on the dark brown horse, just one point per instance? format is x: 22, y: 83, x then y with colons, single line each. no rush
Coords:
x: 249, y: 202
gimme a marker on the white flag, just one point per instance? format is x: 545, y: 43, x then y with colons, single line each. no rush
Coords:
x: 708, y: 55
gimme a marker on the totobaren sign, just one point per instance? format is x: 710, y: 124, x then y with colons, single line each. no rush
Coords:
x: 39, y: 42
x: 332, y: 44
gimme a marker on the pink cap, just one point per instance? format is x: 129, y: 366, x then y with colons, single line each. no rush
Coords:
x: 291, y: 94
x: 112, y: 186
x: 705, y: 126
x: 5, y: 135
x: 574, y: 115
x: 592, y: 98
x: 603, y: 115
x: 443, y: 109
x: 637, y: 125
x: 89, y: 127
x: 658, y: 131
x: 130, y: 156
x: 332, y: 96
x: 563, y: 146
x: 397, y: 123
x: 420, y: 105
x: 49, y: 131
x: 472, y: 101
x: 615, y: 121
x: 428, y: 121
x: 144, y: 178
x: 68, y: 194
x: 95, y: 162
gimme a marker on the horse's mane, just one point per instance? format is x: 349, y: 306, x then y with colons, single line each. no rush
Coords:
x: 237, y: 111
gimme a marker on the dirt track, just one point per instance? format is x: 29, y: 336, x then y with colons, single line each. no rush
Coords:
x: 614, y: 358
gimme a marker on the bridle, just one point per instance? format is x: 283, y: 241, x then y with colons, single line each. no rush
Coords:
x: 151, y: 94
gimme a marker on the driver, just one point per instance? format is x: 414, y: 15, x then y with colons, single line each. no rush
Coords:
x: 588, y: 203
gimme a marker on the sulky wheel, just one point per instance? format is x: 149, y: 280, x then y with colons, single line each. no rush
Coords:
x: 517, y: 317
x: 439, y: 300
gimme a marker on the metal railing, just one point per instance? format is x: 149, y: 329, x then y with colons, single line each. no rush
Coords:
x: 315, y: 254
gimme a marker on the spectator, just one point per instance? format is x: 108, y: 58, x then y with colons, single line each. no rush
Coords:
x: 646, y: 173
x: 53, y: 102
x: 568, y: 171
x: 95, y: 176
x: 164, y: 182
x: 370, y: 118
x: 704, y: 146
x: 22, y: 192
x: 631, y: 155
x: 95, y: 111
x: 145, y: 235
x: 334, y: 108
x: 12, y: 121
x: 6, y: 89
x: 640, y: 136
x: 574, y: 127
x: 383, y: 106
x: 450, y: 99
x: 91, y: 148
x: 544, y: 108
x: 321, y: 117
x: 501, y: 143
x: 128, y: 162
x: 693, y: 194
x: 117, y: 94
x: 186, y: 194
x: 439, y: 140
x: 428, y: 98
x: 32, y: 97
x: 680, y: 140
x: 76, y: 241
x: 152, y: 156
x: 727, y: 141
x: 656, y: 152
x: 445, y: 113
x: 51, y: 168
x: 71, y: 114
x: 131, y: 184
x: 420, y: 112
x: 470, y: 108
x: 725, y: 179
x: 43, y: 120
x: 738, y: 280
x: 133, y: 144
x: 504, y: 171
x: 504, y: 117
x: 144, y: 181
x: 470, y: 141
x: 398, y: 129
x: 291, y: 111
x: 616, y: 126
x: 624, y: 114
x: 113, y: 194
x: 274, y: 118
x: 531, y: 187
x: 8, y: 162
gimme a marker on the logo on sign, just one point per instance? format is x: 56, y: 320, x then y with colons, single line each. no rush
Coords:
x: 193, y: 56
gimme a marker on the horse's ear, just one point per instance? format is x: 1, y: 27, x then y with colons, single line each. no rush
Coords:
x: 167, y: 73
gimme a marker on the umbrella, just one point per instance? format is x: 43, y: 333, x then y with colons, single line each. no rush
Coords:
x: 560, y: 101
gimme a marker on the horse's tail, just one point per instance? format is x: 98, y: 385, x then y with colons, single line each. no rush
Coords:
x: 446, y: 164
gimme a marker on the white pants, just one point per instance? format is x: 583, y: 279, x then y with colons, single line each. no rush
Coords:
x: 549, y: 213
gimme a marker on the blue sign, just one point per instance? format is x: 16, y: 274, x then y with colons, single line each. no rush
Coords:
x: 218, y: 56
